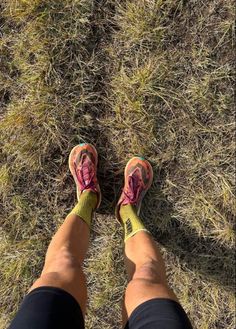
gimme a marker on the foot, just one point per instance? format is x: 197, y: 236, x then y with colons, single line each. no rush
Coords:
x: 138, y: 178
x: 83, y: 162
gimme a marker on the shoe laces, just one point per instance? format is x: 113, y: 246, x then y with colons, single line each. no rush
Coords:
x: 135, y: 187
x: 85, y: 174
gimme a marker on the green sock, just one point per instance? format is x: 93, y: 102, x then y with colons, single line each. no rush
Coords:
x: 132, y: 223
x: 85, y: 206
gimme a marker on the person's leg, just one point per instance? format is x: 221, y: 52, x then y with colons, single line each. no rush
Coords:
x: 144, y: 263
x: 64, y: 258
x: 58, y: 298
x: 146, y: 272
x: 68, y: 248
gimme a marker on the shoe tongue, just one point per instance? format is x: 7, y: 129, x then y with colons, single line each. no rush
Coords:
x: 86, y: 171
x: 132, y: 194
x: 134, y: 182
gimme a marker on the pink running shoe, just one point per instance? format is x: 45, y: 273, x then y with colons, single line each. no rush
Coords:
x: 83, y: 162
x: 138, y: 179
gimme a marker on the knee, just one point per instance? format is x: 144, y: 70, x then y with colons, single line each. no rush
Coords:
x: 148, y: 272
x: 63, y: 271
x: 149, y: 281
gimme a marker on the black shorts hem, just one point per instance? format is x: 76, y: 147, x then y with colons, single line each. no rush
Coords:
x: 159, y: 313
x: 48, y: 308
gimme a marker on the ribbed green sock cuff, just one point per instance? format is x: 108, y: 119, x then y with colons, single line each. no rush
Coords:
x: 85, y: 206
x: 132, y: 223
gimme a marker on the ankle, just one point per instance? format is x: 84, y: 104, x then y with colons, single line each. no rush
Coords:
x: 89, y: 199
x: 86, y: 205
x: 126, y: 210
x: 130, y: 220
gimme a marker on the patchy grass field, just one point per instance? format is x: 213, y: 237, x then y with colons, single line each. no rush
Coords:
x: 147, y: 77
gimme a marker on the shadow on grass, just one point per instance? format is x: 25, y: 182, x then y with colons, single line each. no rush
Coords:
x: 213, y: 261
x: 109, y: 172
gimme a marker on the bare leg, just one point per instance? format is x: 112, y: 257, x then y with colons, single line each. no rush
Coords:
x: 146, y: 273
x: 66, y: 252
x: 64, y: 258
x: 143, y: 260
x: 68, y: 248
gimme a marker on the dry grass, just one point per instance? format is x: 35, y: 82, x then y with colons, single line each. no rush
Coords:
x: 133, y: 77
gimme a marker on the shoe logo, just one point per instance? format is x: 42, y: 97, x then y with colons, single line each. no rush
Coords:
x: 128, y: 226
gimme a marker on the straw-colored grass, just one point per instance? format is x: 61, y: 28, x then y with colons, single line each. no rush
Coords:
x: 137, y: 77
